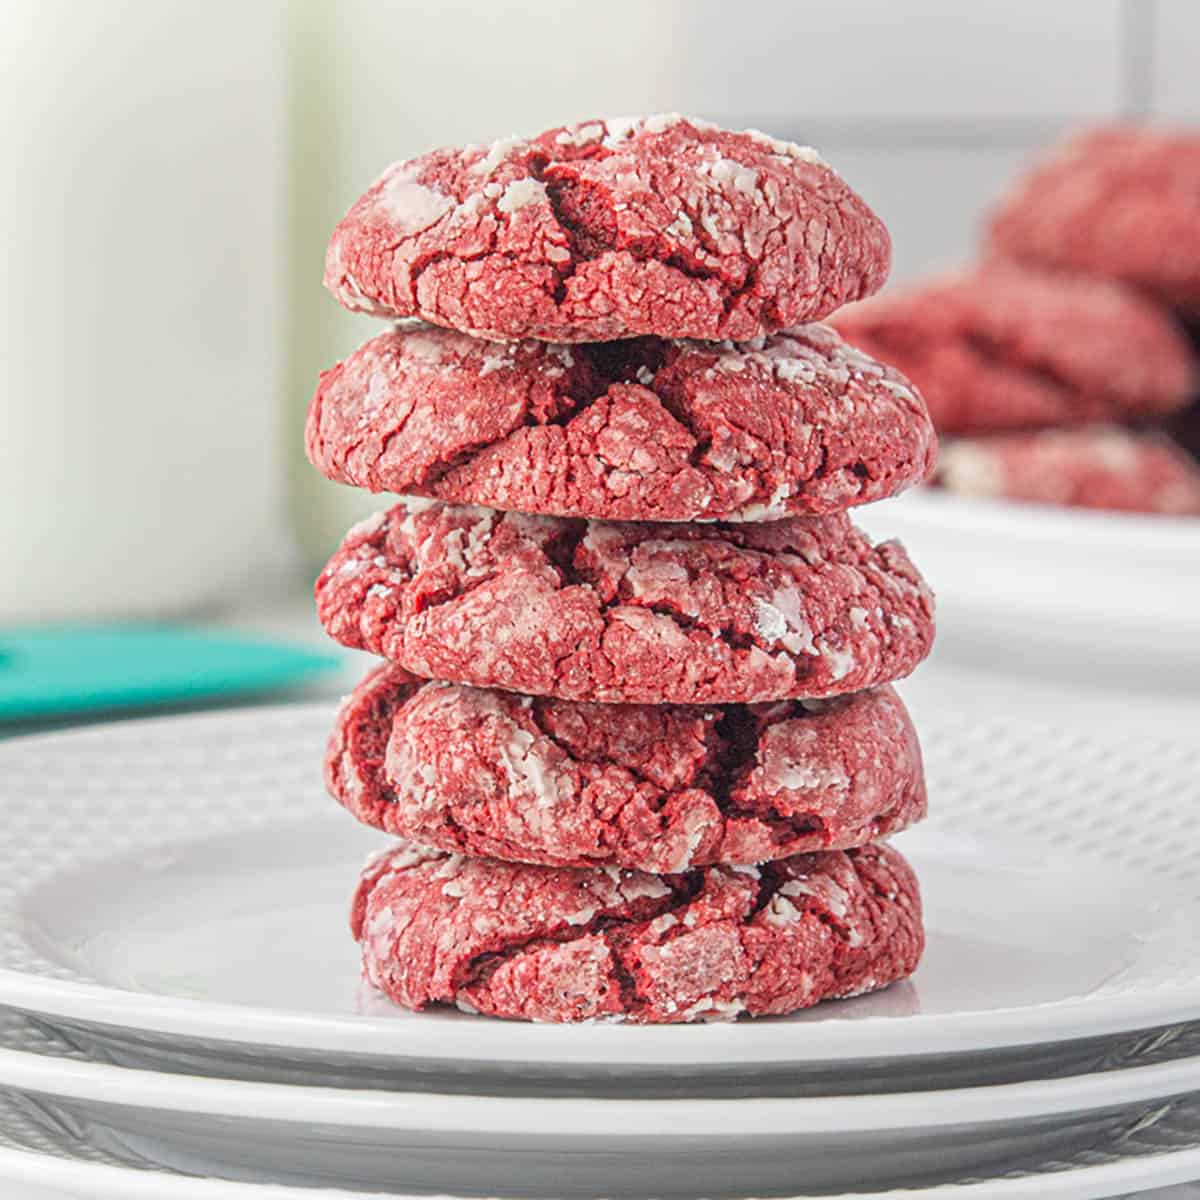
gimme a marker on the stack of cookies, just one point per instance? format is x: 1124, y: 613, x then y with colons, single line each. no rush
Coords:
x: 634, y: 727
x: 1057, y: 366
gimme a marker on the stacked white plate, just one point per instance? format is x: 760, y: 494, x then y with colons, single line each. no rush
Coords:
x: 185, y: 1017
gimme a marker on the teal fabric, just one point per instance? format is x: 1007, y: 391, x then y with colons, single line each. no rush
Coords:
x: 86, y: 669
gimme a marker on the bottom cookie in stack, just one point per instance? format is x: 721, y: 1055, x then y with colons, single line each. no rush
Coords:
x: 566, y: 860
x: 562, y: 944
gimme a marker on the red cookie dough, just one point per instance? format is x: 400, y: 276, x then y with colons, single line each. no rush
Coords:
x: 622, y: 612
x: 656, y: 788
x: 609, y: 229
x: 1102, y: 467
x: 1121, y: 202
x: 556, y: 944
x: 1001, y: 347
x: 646, y: 429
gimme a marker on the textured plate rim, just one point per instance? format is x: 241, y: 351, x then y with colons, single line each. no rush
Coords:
x: 1069, y: 1181
x: 833, y: 1040
x: 587, y: 1118
x: 94, y: 1006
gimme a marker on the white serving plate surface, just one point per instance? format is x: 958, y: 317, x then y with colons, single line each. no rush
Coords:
x: 1125, y: 585
x: 183, y: 884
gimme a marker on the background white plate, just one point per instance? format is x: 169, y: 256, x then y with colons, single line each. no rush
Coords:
x: 186, y: 877
x: 1033, y: 577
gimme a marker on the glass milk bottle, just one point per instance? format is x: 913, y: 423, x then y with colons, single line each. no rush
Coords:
x: 143, y: 208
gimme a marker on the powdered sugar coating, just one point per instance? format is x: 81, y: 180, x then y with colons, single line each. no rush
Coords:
x: 621, y: 612
x: 1098, y: 467
x: 555, y: 944
x: 1117, y: 202
x: 610, y: 229
x: 1000, y: 347
x: 657, y: 788
x: 647, y: 429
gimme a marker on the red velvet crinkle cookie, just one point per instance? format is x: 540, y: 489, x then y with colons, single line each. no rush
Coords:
x: 656, y: 788
x: 622, y: 612
x: 609, y: 229
x: 1001, y: 347
x: 1120, y: 202
x: 556, y: 944
x: 646, y: 429
x: 1102, y: 467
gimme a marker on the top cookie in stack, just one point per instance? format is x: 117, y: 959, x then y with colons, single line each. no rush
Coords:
x: 628, y: 465
x: 610, y: 229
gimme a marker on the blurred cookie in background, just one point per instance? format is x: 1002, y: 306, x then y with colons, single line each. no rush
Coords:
x: 999, y: 347
x: 1101, y: 467
x: 1119, y: 202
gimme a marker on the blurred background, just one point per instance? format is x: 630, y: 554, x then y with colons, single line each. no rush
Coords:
x: 174, y: 169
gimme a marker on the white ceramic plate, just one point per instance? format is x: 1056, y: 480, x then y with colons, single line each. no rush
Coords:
x: 1124, y: 584
x: 184, y: 882
x: 560, y: 1146
x: 52, y: 1158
